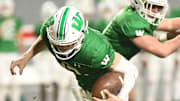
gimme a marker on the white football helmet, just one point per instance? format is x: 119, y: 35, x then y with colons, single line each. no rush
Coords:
x: 6, y: 7
x: 48, y: 9
x: 67, y: 29
x: 144, y: 7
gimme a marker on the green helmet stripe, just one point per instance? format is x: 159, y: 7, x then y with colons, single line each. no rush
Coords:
x: 62, y: 23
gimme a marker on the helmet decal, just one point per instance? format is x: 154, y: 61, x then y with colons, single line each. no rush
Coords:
x: 61, y: 30
x: 67, y: 21
x: 78, y: 22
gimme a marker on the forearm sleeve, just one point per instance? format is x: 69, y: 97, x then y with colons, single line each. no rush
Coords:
x: 130, y: 75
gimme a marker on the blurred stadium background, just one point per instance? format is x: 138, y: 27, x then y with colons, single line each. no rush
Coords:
x: 45, y: 80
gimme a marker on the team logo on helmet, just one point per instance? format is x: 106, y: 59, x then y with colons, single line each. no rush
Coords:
x: 67, y: 30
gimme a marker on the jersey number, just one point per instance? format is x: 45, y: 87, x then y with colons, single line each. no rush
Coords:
x: 105, y: 60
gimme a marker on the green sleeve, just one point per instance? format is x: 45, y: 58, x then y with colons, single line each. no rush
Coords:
x: 18, y: 23
x: 104, y: 57
x: 175, y: 12
x: 47, y: 23
x: 133, y: 28
x: 131, y: 24
x: 99, y: 25
x: 37, y: 29
x: 100, y: 49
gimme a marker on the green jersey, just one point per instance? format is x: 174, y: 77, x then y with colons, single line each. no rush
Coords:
x: 98, y: 24
x: 174, y: 12
x: 8, y: 33
x: 37, y: 28
x: 125, y: 25
x: 95, y: 55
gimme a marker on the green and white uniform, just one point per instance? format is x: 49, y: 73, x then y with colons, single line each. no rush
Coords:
x: 95, y: 55
x: 8, y: 29
x: 125, y: 25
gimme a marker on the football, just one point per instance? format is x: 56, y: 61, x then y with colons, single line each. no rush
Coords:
x: 111, y: 81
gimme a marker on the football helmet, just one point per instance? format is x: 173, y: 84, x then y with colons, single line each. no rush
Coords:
x: 67, y: 30
x: 48, y: 9
x: 144, y: 9
x: 6, y: 7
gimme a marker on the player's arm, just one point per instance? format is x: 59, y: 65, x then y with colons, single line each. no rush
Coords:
x: 21, y: 46
x: 130, y: 71
x: 166, y: 35
x: 170, y: 25
x: 36, y: 47
x: 150, y: 44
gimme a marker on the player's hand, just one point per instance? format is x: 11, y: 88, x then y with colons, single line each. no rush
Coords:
x: 20, y: 62
x: 110, y: 97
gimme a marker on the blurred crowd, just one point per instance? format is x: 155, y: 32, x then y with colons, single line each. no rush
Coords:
x: 45, y: 80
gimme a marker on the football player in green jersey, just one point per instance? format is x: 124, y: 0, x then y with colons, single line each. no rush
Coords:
x: 9, y: 27
x: 132, y: 29
x: 81, y: 50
